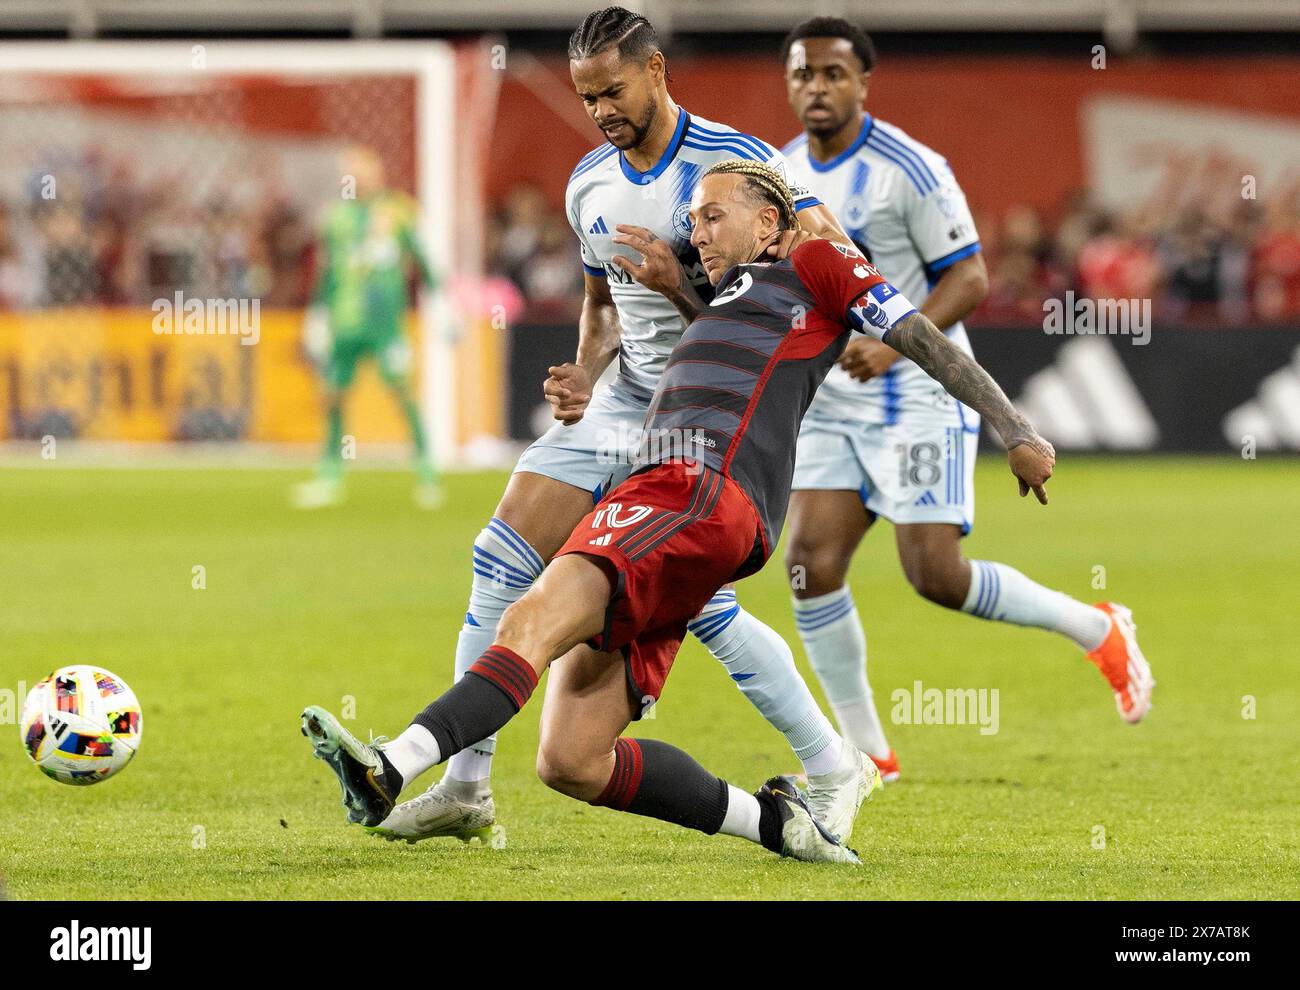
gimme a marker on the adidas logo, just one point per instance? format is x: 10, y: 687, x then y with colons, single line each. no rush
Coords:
x: 601, y: 541
x: 1273, y: 416
x: 598, y: 227
x: 926, y: 499
x: 1086, y: 399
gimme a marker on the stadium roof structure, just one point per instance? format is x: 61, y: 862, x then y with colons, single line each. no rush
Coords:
x: 1120, y: 20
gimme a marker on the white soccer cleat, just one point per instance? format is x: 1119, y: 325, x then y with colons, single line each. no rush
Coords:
x: 449, y: 809
x: 834, y: 798
x: 319, y: 493
x: 429, y: 495
x: 802, y: 836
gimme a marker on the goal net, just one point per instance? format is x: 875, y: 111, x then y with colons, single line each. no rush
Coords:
x: 160, y: 207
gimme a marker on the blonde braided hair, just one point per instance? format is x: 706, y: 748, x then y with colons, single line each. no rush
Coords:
x: 765, y: 183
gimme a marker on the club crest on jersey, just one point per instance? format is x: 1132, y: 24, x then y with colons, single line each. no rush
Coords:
x: 734, y: 290
x: 614, y: 517
x: 682, y: 220
x: 855, y: 211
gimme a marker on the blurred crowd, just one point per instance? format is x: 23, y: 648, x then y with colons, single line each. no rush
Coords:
x: 1234, y: 262
x: 103, y: 237
x: 106, y: 238
x: 535, y: 248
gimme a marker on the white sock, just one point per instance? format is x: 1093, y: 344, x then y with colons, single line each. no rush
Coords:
x: 1003, y: 594
x: 858, y: 720
x: 413, y: 752
x: 825, y: 761
x: 743, y: 813
x: 837, y: 651
x: 473, y: 763
x: 505, y: 566
x: 762, y: 665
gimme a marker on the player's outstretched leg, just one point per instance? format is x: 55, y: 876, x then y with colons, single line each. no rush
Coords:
x: 657, y: 780
x: 535, y: 516
x: 932, y: 559
x: 826, y: 527
x: 566, y: 607
x: 762, y: 666
x: 583, y: 755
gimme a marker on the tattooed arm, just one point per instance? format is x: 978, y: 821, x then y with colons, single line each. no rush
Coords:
x: 1031, y: 457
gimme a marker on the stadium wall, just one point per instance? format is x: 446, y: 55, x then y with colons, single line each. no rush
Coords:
x: 1187, y: 390
x: 1022, y: 130
x: 105, y: 374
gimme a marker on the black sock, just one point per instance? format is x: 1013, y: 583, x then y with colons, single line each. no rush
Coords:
x: 490, y: 694
x: 769, y: 820
x: 391, y: 780
x: 654, y: 779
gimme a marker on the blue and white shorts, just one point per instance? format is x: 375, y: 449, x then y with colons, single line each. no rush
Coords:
x: 906, y: 473
x: 597, y: 448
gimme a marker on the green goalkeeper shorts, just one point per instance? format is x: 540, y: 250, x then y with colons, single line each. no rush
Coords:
x: 392, y: 353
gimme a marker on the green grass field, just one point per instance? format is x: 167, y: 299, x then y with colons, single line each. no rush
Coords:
x: 225, y: 802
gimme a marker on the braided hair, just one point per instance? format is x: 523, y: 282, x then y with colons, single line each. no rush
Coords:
x: 764, y: 186
x: 608, y: 26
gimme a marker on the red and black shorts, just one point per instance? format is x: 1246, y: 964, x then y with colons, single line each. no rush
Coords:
x: 671, y: 536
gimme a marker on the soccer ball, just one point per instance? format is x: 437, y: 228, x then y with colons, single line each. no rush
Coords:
x: 81, y: 725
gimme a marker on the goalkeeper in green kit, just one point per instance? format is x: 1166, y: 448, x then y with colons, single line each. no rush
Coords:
x: 358, y: 311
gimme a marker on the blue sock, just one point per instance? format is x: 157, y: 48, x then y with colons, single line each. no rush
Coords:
x: 762, y: 665
x: 505, y: 567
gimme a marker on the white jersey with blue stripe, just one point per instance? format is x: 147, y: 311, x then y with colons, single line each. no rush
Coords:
x: 901, y: 203
x: 605, y: 191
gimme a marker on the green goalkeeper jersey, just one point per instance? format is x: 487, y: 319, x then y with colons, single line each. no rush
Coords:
x: 365, y: 247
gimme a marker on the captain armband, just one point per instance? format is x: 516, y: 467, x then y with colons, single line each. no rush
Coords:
x: 878, y: 309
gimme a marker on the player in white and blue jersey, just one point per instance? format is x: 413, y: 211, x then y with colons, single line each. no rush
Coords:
x: 882, y: 434
x: 639, y: 182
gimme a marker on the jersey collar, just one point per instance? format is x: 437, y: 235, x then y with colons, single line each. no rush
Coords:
x: 666, y: 159
x: 858, y: 142
x: 735, y: 271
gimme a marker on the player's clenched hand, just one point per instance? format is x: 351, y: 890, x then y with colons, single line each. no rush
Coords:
x: 1032, y: 460
x: 787, y: 242
x: 865, y: 358
x: 568, y: 390
x: 659, y: 271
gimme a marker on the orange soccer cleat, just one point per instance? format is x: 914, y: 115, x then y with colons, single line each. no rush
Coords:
x: 1121, y: 662
x: 888, y: 767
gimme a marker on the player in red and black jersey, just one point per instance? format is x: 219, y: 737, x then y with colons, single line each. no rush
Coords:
x: 703, y: 507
